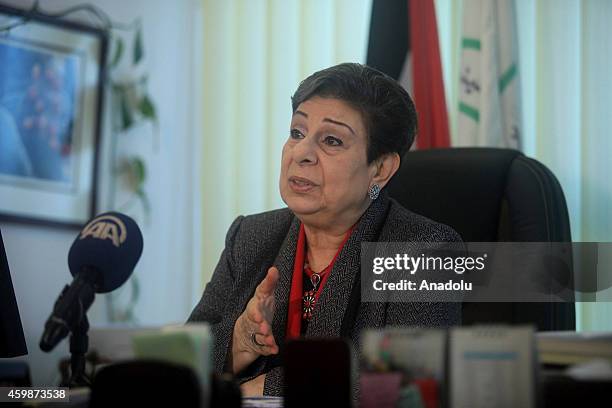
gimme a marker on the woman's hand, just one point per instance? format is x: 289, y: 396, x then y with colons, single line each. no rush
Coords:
x: 252, y: 335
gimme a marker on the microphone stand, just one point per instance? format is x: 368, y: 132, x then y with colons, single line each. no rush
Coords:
x: 79, y: 343
x: 79, y: 340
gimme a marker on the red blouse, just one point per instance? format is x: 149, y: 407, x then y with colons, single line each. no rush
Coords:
x: 297, y: 295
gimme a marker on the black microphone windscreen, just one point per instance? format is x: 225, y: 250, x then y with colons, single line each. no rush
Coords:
x: 111, y: 243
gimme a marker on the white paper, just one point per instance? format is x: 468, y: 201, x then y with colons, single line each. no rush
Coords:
x: 492, y: 367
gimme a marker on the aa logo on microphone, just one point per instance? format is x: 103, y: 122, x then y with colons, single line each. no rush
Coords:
x: 106, y: 227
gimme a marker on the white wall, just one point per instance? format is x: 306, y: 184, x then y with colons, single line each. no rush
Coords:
x: 168, y: 271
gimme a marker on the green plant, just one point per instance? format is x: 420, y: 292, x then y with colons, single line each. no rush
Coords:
x: 130, y: 105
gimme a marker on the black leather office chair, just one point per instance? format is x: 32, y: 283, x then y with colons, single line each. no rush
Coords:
x: 488, y: 195
x: 145, y: 383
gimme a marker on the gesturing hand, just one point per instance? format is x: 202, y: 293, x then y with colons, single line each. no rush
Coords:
x: 252, y: 335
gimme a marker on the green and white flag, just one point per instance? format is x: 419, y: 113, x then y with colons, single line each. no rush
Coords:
x: 489, y: 87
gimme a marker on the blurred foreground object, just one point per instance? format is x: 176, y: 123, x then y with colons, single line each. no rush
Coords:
x: 12, y: 341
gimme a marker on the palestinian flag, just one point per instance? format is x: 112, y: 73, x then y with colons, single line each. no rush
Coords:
x: 404, y: 44
x: 489, y: 88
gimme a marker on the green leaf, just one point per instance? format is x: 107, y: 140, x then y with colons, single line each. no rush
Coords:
x: 139, y: 171
x: 146, y: 205
x: 118, y: 87
x: 135, y: 292
x: 138, y: 47
x: 118, y: 51
x: 147, y: 108
x: 127, y: 118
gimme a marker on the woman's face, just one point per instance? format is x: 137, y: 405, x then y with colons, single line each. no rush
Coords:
x: 324, y: 172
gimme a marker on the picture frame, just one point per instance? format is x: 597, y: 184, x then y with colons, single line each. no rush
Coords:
x: 52, y: 75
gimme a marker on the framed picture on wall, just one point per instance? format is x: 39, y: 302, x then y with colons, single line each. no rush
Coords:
x: 51, y: 90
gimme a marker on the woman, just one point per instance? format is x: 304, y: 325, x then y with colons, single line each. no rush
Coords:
x: 292, y: 272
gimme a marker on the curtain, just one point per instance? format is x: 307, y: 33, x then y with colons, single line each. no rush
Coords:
x: 255, y: 53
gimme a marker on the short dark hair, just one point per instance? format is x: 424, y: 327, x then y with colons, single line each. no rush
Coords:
x: 388, y: 112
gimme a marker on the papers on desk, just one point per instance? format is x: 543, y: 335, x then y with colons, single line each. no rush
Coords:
x: 487, y: 367
x: 417, y: 352
x: 570, y: 347
x: 402, y: 367
x: 114, y: 343
x: 189, y: 345
x: 492, y: 367
x: 262, y: 402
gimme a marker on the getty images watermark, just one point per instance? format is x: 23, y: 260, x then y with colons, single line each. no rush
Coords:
x: 486, y: 272
x: 422, y: 263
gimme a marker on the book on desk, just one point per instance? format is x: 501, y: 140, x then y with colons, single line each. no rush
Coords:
x: 569, y: 347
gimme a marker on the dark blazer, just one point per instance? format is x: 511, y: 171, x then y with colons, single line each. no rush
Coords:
x: 256, y: 242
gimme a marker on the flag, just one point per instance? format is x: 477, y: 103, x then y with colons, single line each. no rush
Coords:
x: 404, y: 44
x: 489, y: 87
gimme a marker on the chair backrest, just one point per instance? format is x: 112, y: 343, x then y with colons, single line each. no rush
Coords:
x: 145, y: 383
x: 488, y: 195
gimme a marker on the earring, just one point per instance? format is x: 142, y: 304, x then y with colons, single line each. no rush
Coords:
x: 374, y: 192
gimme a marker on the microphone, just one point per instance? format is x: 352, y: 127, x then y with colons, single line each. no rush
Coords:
x: 101, y: 259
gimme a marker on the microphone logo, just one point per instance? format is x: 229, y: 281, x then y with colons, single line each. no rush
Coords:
x: 106, y: 227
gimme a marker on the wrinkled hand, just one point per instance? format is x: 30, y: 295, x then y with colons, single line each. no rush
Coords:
x: 255, y: 325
